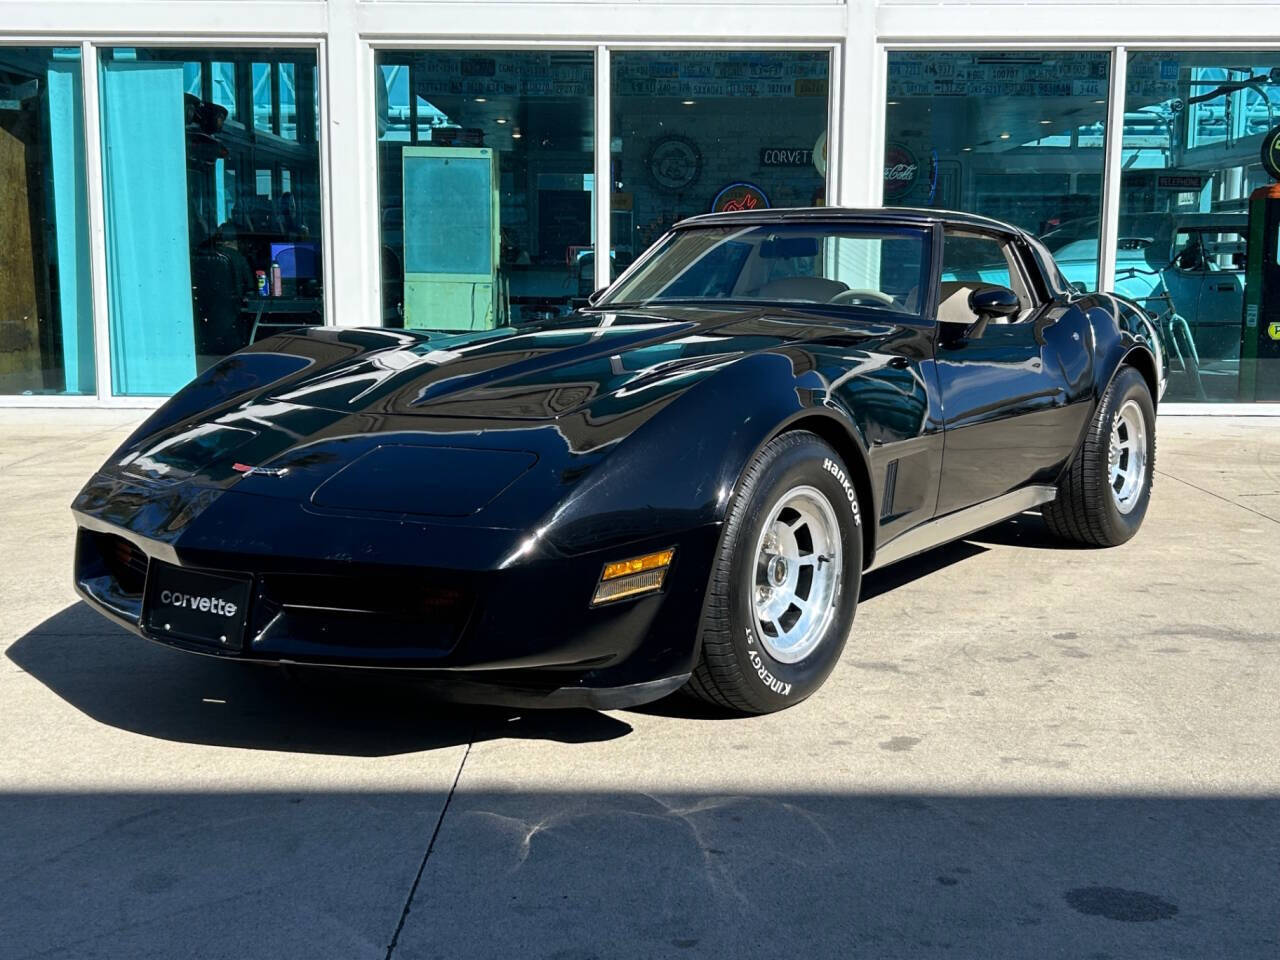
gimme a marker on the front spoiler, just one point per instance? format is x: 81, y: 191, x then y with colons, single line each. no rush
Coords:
x: 532, y: 640
x: 506, y: 689
x: 505, y: 692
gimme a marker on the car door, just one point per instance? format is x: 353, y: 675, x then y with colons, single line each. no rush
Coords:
x: 1220, y: 307
x: 892, y: 392
x: 1013, y: 393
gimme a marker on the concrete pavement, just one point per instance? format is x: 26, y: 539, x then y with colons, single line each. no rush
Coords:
x: 1026, y: 751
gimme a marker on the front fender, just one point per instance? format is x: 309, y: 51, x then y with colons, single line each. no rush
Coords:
x: 679, y: 469
x: 268, y: 364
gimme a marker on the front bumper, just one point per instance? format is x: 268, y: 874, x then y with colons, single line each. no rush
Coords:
x: 513, y: 632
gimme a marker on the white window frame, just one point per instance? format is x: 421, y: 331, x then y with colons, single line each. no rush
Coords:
x: 603, y: 113
x: 917, y: 27
x: 90, y: 61
x: 346, y: 33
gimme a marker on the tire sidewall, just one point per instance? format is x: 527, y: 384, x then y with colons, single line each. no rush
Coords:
x: 772, y: 684
x: 1128, y: 385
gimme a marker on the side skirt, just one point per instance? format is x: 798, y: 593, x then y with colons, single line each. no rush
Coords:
x: 961, y: 523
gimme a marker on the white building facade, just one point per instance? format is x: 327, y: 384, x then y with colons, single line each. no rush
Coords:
x: 180, y: 179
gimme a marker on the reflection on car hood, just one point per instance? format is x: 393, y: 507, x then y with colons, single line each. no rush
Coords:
x: 550, y: 400
x: 539, y: 371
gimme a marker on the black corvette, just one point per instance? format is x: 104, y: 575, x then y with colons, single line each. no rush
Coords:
x: 679, y: 486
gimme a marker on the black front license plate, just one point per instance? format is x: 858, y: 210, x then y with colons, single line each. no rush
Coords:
x: 199, y: 607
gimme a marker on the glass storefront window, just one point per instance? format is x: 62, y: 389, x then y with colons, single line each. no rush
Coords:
x: 1191, y: 156
x: 1018, y: 136
x: 485, y: 185
x: 263, y: 109
x: 46, y: 309
x: 288, y: 101
x: 223, y: 89
x: 209, y: 246
x: 697, y: 131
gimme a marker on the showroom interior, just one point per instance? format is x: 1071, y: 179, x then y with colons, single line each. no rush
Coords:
x: 177, y: 183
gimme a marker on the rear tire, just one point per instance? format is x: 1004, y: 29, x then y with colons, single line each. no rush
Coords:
x: 1103, y: 497
x: 784, y: 585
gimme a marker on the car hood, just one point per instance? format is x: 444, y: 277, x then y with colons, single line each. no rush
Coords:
x: 335, y: 442
x: 534, y: 372
x: 396, y: 423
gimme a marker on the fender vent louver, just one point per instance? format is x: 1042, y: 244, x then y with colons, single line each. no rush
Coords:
x: 890, y: 486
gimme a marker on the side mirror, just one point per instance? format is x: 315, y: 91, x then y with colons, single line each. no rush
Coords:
x: 987, y: 303
x: 595, y: 297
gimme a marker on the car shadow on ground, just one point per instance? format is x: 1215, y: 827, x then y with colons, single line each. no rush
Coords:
x: 146, y: 688
x: 890, y: 578
x: 132, y: 684
x: 1026, y: 530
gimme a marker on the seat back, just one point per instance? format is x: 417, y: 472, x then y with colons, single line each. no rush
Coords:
x: 953, y: 301
x: 807, y: 289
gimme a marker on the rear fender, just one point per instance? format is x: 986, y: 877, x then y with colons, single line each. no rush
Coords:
x: 1115, y: 347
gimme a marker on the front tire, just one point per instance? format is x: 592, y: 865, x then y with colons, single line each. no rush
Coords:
x: 1103, y: 497
x: 784, y: 586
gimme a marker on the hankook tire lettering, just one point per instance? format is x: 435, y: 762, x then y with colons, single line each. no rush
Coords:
x: 833, y: 468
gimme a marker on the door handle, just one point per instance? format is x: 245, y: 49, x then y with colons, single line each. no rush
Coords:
x: 1226, y: 287
x: 899, y: 363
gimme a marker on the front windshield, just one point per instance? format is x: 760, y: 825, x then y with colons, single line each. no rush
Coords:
x: 842, y: 265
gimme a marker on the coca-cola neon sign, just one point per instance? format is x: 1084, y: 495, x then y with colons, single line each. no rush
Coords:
x: 900, y: 171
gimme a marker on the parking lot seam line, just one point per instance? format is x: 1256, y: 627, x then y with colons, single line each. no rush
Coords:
x: 1219, y: 496
x: 404, y: 914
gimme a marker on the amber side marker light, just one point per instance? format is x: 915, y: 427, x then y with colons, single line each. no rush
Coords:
x: 628, y: 578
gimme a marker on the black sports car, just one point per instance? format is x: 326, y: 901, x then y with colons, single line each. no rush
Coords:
x: 678, y: 486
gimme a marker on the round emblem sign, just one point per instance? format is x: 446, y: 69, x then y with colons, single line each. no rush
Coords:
x: 900, y: 171
x: 739, y: 196
x: 674, y: 162
x: 820, y: 154
x: 1271, y: 153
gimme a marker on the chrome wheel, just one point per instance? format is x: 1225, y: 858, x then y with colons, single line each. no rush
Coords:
x: 1127, y: 456
x: 795, y: 580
